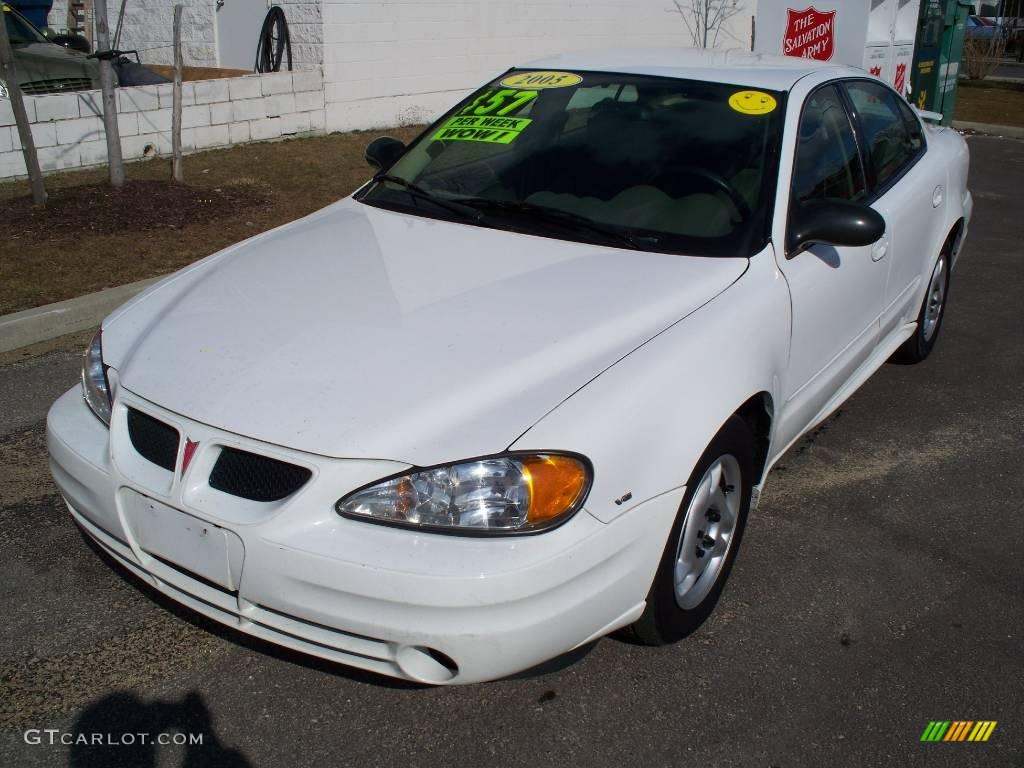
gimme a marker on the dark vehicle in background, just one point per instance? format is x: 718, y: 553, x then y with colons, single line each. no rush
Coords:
x: 980, y: 28
x: 43, y: 66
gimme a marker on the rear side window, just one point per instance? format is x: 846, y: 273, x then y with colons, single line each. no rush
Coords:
x: 827, y: 164
x: 889, y: 144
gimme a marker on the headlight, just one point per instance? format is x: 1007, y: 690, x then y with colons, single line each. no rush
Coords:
x: 94, y: 380
x: 517, y: 493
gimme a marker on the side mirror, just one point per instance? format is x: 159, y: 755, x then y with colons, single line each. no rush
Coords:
x: 832, y: 222
x: 384, y: 152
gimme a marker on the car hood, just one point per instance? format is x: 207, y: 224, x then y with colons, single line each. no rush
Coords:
x: 360, y: 332
x: 47, y: 61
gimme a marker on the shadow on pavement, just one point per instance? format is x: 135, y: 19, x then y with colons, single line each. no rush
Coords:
x: 122, y: 730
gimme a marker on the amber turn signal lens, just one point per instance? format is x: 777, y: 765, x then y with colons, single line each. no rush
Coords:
x: 555, y: 484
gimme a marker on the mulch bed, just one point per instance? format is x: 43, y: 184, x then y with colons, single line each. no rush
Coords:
x: 139, y: 206
x: 89, y: 237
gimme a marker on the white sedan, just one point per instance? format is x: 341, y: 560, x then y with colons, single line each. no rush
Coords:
x: 521, y: 389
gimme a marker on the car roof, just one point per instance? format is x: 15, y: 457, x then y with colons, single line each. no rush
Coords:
x: 737, y: 67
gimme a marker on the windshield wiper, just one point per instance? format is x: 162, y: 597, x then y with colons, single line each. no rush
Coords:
x: 556, y: 215
x: 418, y: 192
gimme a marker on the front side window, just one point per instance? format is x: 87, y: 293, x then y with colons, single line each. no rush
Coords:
x: 652, y: 163
x: 889, y: 145
x: 827, y: 164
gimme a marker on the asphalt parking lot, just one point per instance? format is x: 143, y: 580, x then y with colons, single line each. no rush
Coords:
x: 880, y: 586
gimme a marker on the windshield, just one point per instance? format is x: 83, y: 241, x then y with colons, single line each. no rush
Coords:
x: 653, y: 163
x: 19, y: 29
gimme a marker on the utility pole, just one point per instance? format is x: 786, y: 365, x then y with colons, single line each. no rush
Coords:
x: 9, y: 75
x: 114, y: 159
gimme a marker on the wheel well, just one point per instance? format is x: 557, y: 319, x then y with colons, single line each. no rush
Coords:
x: 757, y: 414
x: 955, y: 238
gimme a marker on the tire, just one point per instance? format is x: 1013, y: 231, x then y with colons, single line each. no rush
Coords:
x: 929, y: 319
x: 675, y: 610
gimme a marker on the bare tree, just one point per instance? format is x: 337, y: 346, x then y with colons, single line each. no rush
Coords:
x: 980, y: 57
x: 177, y: 167
x: 705, y: 19
x: 114, y: 159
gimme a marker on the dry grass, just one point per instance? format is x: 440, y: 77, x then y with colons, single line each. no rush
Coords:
x: 996, y: 106
x: 58, y: 262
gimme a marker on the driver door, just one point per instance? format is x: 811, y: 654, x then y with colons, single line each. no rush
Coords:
x: 837, y: 294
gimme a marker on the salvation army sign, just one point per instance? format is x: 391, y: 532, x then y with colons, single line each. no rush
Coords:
x: 810, y: 34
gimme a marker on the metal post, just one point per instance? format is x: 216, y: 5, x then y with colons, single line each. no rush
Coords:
x: 176, y: 162
x: 120, y: 21
x: 114, y: 159
x: 28, y: 147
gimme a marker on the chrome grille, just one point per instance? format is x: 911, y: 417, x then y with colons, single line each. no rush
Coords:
x: 56, y: 85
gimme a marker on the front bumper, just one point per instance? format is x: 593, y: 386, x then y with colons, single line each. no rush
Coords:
x: 425, y: 607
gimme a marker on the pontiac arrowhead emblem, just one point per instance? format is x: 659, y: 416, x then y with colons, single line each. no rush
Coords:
x: 190, y: 451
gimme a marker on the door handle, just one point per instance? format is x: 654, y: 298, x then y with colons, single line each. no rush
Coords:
x: 879, y: 249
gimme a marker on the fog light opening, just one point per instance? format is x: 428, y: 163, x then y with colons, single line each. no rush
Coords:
x: 427, y: 665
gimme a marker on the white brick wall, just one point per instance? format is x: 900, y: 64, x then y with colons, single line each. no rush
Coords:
x: 68, y: 128
x: 401, y: 61
x: 395, y: 61
x: 148, y: 28
x: 58, y: 16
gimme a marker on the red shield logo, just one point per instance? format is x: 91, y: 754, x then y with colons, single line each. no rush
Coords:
x: 901, y: 78
x: 810, y: 34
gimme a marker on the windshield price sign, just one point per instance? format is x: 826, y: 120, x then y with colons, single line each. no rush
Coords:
x: 494, y: 130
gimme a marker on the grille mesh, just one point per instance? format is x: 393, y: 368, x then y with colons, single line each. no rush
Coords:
x: 155, y: 441
x: 56, y: 85
x: 254, y: 477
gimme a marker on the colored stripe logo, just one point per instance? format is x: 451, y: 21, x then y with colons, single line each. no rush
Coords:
x: 958, y: 730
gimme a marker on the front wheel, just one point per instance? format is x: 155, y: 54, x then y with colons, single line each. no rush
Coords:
x: 704, y: 539
x: 929, y: 319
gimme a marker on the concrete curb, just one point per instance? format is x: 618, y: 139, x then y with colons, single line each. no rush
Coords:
x: 1011, y: 131
x: 52, y: 320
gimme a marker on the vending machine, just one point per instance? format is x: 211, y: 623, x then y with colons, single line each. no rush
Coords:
x: 877, y: 35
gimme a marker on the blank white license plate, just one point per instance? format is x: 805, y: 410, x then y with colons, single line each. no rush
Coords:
x: 188, y: 542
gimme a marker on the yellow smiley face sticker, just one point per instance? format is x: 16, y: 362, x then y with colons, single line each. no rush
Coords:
x: 753, y: 102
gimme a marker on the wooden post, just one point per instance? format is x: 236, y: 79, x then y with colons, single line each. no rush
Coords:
x: 114, y: 159
x: 176, y: 163
x: 9, y: 75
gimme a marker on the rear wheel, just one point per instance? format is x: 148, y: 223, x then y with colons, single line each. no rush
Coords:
x: 704, y: 539
x: 929, y: 319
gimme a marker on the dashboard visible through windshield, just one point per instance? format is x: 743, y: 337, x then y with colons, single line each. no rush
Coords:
x: 650, y: 163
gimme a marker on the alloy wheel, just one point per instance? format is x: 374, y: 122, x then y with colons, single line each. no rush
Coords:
x: 708, y: 532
